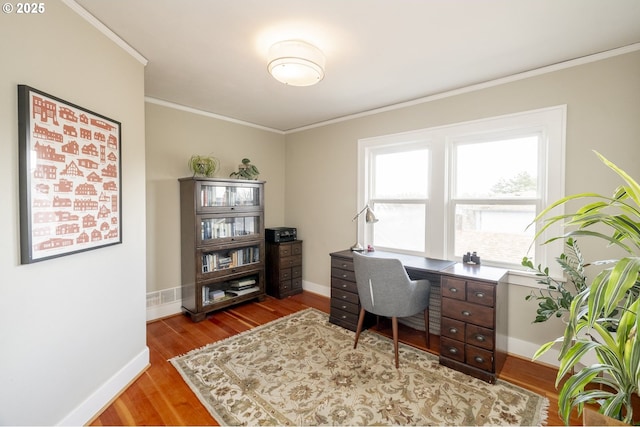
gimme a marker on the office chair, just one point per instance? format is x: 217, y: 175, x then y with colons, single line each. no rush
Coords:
x: 385, y: 289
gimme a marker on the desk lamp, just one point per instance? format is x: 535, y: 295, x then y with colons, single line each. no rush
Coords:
x: 369, y: 218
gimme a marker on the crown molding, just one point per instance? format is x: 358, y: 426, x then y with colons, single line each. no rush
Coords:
x: 105, y: 30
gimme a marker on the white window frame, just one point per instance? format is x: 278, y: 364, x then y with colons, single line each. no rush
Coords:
x: 549, y: 123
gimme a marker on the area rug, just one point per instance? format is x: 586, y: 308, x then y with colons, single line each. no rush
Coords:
x: 303, y: 370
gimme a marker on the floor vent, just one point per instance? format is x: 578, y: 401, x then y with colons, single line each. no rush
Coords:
x: 165, y: 296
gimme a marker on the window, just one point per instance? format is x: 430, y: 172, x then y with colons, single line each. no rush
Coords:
x: 474, y: 186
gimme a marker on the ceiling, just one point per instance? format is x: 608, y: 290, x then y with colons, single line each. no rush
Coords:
x: 212, y: 55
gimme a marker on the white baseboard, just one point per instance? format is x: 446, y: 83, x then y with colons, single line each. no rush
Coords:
x: 165, y: 310
x: 325, y: 291
x: 100, y: 398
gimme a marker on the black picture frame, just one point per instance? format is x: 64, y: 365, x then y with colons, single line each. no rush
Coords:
x: 70, y: 177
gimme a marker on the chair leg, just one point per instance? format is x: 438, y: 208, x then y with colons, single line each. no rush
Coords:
x: 359, y: 328
x: 426, y: 325
x: 394, y: 326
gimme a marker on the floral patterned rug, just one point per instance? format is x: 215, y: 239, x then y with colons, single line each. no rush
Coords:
x: 303, y: 370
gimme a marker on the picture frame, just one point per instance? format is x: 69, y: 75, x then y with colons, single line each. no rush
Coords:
x: 70, y: 177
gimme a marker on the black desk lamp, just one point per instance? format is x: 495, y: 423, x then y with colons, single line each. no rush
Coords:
x: 369, y: 218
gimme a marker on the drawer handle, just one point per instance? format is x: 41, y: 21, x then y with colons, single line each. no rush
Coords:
x: 344, y: 317
x: 344, y: 297
x: 453, y: 350
x: 344, y: 276
x: 466, y: 313
x: 344, y: 265
x: 479, y: 359
x: 480, y: 338
x: 480, y: 294
x: 453, y: 290
x: 344, y: 307
x: 344, y: 285
x: 453, y: 330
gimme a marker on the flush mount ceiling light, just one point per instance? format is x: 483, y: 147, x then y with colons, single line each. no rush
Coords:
x: 296, y: 63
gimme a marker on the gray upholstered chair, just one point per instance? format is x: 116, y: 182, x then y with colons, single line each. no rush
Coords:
x: 385, y: 289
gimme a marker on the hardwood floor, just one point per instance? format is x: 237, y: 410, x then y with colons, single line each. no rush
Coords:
x: 159, y: 396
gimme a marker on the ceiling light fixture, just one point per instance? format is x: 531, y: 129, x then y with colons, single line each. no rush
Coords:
x: 296, y: 63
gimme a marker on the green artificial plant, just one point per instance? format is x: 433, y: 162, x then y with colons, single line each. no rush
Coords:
x: 610, y: 303
x: 203, y: 165
x: 246, y: 171
x: 555, y: 299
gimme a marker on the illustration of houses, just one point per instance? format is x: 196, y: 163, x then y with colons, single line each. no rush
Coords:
x: 86, y: 190
x: 45, y: 108
x: 63, y: 186
x: 94, y: 177
x: 112, y: 157
x: 70, y: 130
x: 44, y: 217
x: 41, y: 203
x: 52, y: 244
x: 104, y: 212
x: 82, y: 238
x: 102, y: 124
x: 61, y: 202
x: 62, y: 216
x: 88, y: 164
x: 85, y: 205
x: 112, y: 143
x: 44, y: 133
x: 99, y: 136
x: 63, y: 229
x: 111, y: 171
x: 84, y: 119
x: 110, y: 186
x: 85, y: 133
x: 68, y: 114
x: 72, y: 170
x: 47, y: 152
x: 89, y: 221
x: 95, y: 235
x: 90, y: 150
x: 70, y: 147
x: 45, y: 172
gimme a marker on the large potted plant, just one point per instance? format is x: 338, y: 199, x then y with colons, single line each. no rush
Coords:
x: 603, y: 318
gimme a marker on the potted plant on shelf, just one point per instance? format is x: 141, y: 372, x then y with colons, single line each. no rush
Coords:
x: 246, y: 171
x: 203, y: 165
x: 603, y: 318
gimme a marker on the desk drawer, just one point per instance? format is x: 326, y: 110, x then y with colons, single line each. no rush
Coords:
x: 344, y: 285
x: 479, y: 336
x: 454, y: 288
x: 481, y: 293
x: 468, y: 312
x: 290, y: 261
x: 344, y: 305
x: 344, y: 318
x: 343, y: 274
x: 345, y: 296
x: 342, y: 264
x: 452, y: 349
x: 479, y: 358
x: 451, y: 328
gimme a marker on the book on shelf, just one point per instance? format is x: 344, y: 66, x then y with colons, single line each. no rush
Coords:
x: 237, y: 293
x: 242, y: 283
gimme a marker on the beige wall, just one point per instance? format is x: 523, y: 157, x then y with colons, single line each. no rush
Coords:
x: 603, y: 102
x: 173, y: 136
x: 72, y: 329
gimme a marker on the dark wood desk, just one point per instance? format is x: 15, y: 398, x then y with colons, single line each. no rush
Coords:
x: 473, y: 321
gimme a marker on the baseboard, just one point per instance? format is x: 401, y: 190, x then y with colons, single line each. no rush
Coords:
x: 100, y: 398
x: 316, y: 289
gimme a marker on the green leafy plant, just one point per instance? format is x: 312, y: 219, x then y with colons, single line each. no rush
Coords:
x: 555, y: 299
x: 203, y: 165
x: 609, y: 303
x: 246, y: 171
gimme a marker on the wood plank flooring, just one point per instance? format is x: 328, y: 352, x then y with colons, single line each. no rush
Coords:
x: 159, y: 396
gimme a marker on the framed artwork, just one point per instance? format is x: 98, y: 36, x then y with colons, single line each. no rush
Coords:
x: 70, y: 177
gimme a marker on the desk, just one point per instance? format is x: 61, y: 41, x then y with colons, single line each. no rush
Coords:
x: 473, y: 311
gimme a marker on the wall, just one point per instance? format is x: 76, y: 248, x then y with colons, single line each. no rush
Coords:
x: 173, y: 135
x: 603, y: 102
x: 72, y: 329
